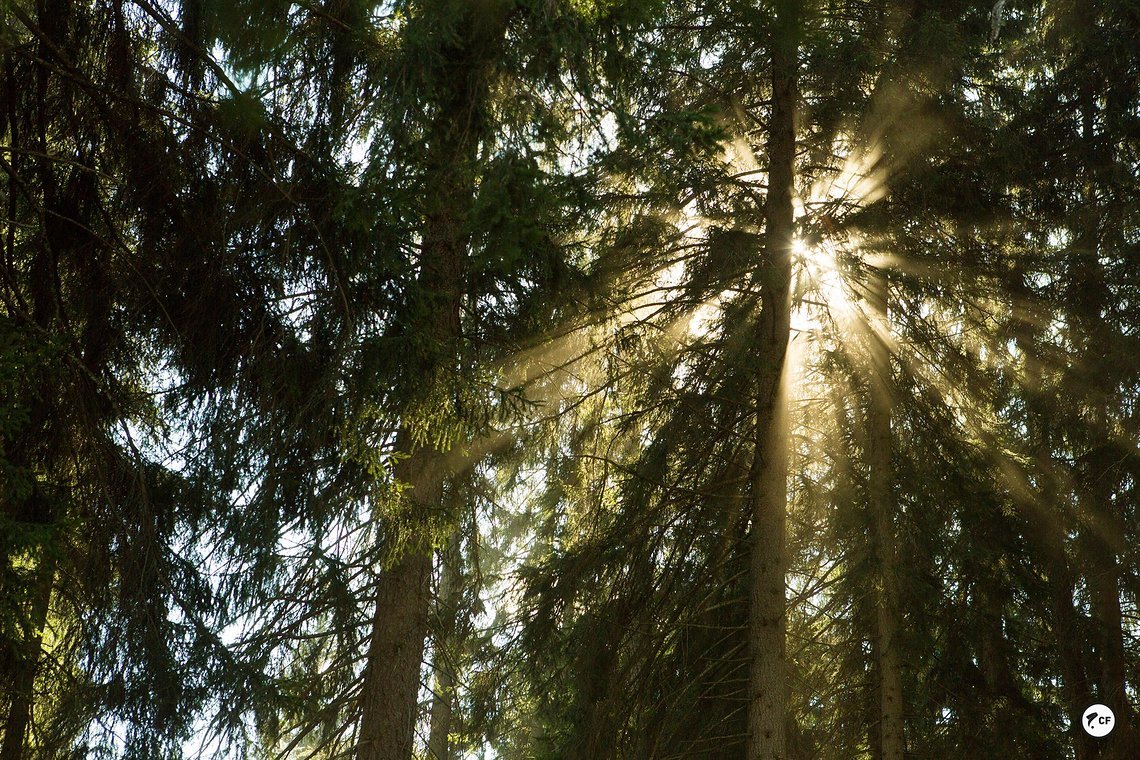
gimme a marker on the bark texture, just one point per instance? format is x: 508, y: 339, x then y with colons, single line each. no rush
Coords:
x: 767, y: 708
x: 1046, y: 531
x: 390, y: 693
x: 881, y: 502
x: 1097, y: 476
x: 22, y: 678
x: 447, y: 609
x: 1046, y: 537
x: 389, y: 699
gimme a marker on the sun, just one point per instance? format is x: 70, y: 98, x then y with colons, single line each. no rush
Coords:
x: 830, y: 257
x: 823, y: 295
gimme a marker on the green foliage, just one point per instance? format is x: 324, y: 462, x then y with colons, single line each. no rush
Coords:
x: 258, y: 257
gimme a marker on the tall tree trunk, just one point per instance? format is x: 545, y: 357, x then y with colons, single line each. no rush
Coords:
x: 390, y: 693
x: 1105, y: 587
x: 1046, y: 533
x: 442, y: 705
x: 767, y: 709
x: 19, y: 713
x: 22, y: 678
x: 389, y: 699
x: 1046, y: 537
x: 1102, y: 531
x: 447, y: 605
x: 1101, y: 543
x: 1102, y: 525
x: 1074, y: 679
x: 881, y: 503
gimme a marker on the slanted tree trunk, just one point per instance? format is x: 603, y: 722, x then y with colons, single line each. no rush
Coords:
x: 767, y: 708
x: 389, y: 699
x: 881, y: 503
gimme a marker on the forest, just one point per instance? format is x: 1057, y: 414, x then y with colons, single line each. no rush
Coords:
x: 569, y: 379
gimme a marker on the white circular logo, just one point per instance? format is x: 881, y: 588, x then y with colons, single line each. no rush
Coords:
x: 1098, y: 720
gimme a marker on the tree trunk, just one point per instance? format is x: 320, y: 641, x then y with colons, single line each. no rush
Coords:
x: 22, y: 678
x: 1099, y: 542
x: 20, y: 702
x: 1102, y: 525
x: 389, y: 699
x: 767, y: 709
x: 1046, y: 531
x: 1046, y: 537
x: 1106, y: 606
x: 390, y: 694
x: 881, y: 503
x: 442, y: 704
x: 443, y: 695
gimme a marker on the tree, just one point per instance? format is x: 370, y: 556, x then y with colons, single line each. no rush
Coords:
x: 680, y: 379
x: 769, y: 474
